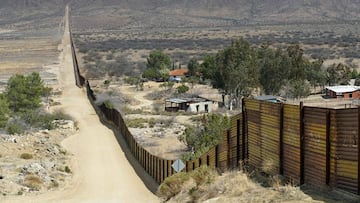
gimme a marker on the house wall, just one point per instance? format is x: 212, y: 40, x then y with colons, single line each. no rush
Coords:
x: 355, y: 95
x: 215, y: 106
x: 346, y: 95
x: 193, y: 108
x: 332, y: 94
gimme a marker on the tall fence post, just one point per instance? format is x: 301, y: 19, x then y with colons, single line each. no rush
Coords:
x: 302, y: 145
x: 228, y: 161
x: 358, y: 145
x: 281, y: 148
x: 237, y: 142
x: 217, y: 156
x: 328, y: 146
x: 244, y: 134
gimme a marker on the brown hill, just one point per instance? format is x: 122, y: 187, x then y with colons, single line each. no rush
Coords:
x: 189, y: 12
x: 115, y: 14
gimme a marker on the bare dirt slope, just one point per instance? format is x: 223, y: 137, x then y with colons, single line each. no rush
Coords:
x: 101, y: 171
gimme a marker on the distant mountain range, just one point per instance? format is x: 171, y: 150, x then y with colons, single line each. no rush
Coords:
x: 237, y: 11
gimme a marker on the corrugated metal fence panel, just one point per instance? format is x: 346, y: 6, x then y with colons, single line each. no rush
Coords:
x: 253, y: 129
x: 291, y: 140
x: 235, y: 140
x: 223, y: 153
x: 333, y: 148
x: 315, y: 146
x: 270, y: 137
x: 347, y: 149
x: 251, y: 104
x: 212, y: 157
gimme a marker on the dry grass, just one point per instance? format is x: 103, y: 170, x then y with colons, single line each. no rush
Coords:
x: 26, y: 156
x: 188, y: 183
x: 233, y: 186
x: 33, y: 182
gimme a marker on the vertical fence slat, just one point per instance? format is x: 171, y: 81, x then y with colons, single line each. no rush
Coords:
x: 281, y: 148
x: 302, y: 144
x: 358, y: 146
x: 237, y: 143
x: 328, y: 145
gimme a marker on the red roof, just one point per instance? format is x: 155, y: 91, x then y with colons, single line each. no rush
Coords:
x: 178, y: 72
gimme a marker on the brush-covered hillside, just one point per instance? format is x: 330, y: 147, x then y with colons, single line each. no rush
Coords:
x: 185, y: 13
x: 211, y: 13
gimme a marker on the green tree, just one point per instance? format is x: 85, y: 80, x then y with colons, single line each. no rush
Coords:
x: 4, y: 111
x: 298, y: 89
x: 24, y: 92
x: 338, y: 74
x: 208, y: 135
x: 237, y: 72
x: 297, y: 63
x: 193, y: 67
x: 151, y: 74
x: 272, y: 66
x: 157, y: 65
x: 315, y: 74
x: 182, y: 89
x: 207, y: 67
x: 357, y: 81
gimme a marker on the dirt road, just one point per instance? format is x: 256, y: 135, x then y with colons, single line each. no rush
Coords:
x: 101, y: 171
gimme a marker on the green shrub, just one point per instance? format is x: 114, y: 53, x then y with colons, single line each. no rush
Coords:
x: 4, y: 111
x: 67, y: 169
x: 15, y: 128
x: 140, y: 122
x: 109, y: 104
x: 61, y: 115
x: 24, y: 92
x: 107, y: 82
x: 205, y: 136
x: 136, y: 123
x: 26, y: 156
x: 54, y: 184
x: 137, y: 81
x: 182, y: 89
x: 110, y: 56
x: 41, y: 120
x: 174, y: 184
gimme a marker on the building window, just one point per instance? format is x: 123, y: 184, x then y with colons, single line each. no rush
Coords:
x: 350, y: 95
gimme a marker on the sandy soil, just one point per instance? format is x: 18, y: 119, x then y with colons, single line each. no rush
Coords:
x: 102, y: 173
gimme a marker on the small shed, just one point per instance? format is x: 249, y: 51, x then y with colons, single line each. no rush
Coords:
x: 195, y: 105
x: 343, y: 91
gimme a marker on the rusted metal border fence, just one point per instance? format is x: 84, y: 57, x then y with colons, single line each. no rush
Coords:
x: 79, y: 79
x: 315, y: 146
